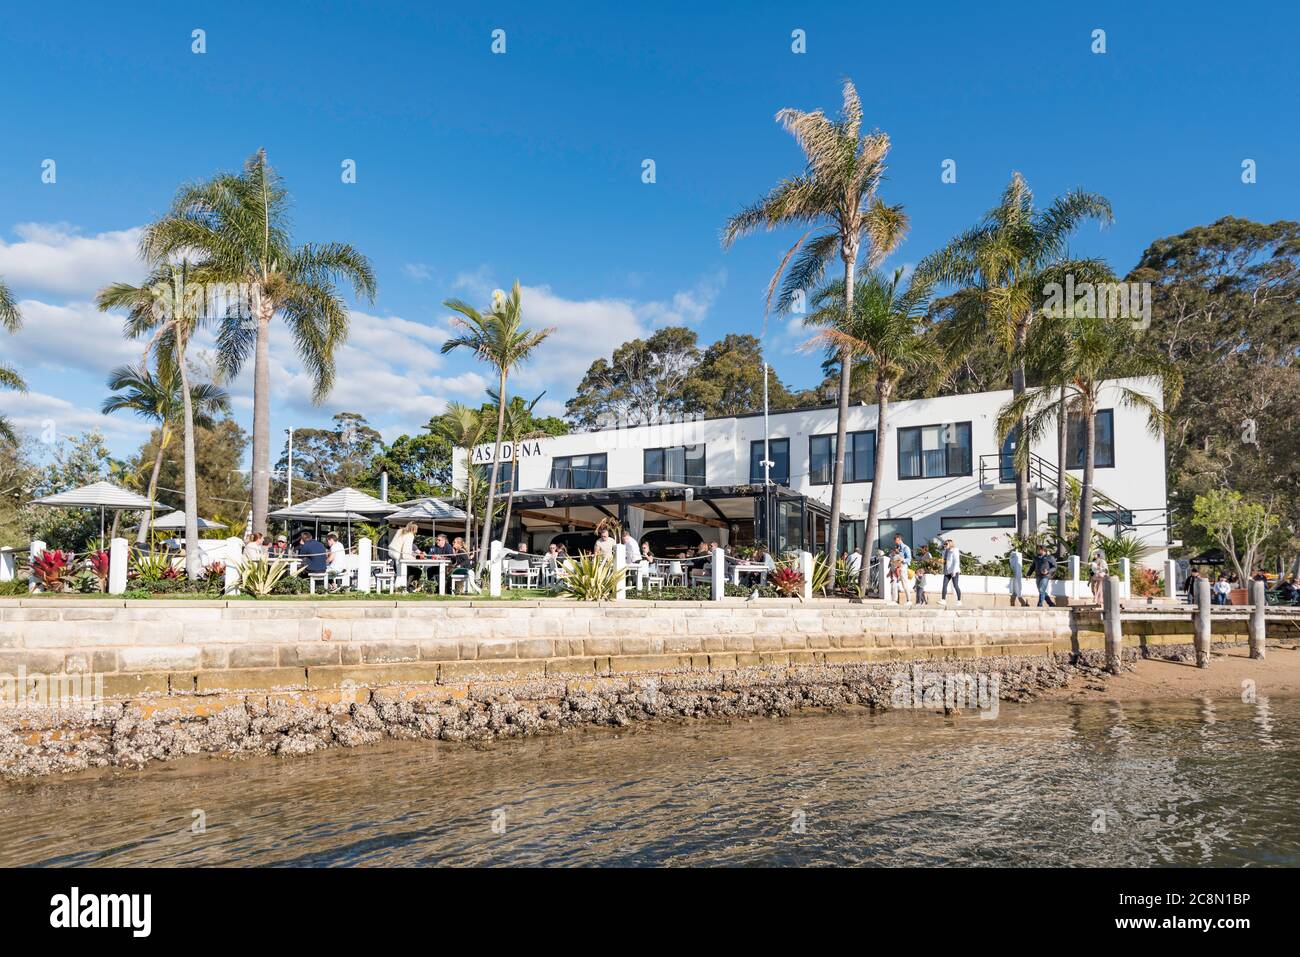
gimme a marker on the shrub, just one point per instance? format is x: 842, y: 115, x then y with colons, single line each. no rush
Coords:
x: 99, y: 566
x: 152, y: 567
x: 589, y: 578
x: 1146, y: 583
x: 55, y: 570
x: 259, y: 578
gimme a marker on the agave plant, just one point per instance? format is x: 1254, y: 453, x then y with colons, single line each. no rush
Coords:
x: 54, y: 570
x: 153, y: 567
x: 259, y: 578
x: 589, y: 578
x: 1122, y: 546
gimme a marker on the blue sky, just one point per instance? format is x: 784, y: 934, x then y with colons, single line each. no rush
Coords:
x: 475, y: 168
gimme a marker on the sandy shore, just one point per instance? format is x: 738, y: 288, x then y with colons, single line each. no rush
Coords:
x: 1160, y: 679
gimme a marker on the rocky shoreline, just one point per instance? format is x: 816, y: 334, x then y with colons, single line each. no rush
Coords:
x: 131, y: 734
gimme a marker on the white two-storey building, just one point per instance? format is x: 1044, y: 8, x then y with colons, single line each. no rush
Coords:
x: 946, y: 475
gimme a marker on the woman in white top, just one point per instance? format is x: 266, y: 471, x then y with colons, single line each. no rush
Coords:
x: 254, y: 550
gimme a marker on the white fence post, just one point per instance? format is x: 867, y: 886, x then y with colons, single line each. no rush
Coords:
x: 233, y: 578
x: 1074, y: 577
x: 494, y: 570
x: 620, y: 572
x: 806, y: 570
x: 8, y: 564
x: 1258, y: 623
x: 1126, y: 576
x: 117, y: 559
x: 364, y: 546
x: 719, y: 576
x: 1171, y: 579
x: 37, y: 549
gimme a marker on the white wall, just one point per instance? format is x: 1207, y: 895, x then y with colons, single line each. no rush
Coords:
x: 1136, y: 482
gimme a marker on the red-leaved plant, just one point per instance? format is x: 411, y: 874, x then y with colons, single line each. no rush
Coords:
x: 787, y: 581
x: 54, y: 569
x: 99, y: 565
x: 215, y: 570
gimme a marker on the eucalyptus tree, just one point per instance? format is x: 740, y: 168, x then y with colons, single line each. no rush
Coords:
x: 500, y: 339
x: 155, y: 395
x: 1003, y: 265
x: 11, y: 320
x: 884, y: 333
x: 835, y: 197
x: 235, y: 227
x: 169, y: 307
x: 1093, y: 350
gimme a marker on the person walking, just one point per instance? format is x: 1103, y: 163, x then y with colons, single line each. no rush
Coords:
x: 1098, y: 572
x: 1044, y: 572
x: 951, y: 572
x: 1017, y: 576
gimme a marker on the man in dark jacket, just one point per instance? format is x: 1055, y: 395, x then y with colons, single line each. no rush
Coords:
x: 1044, y: 571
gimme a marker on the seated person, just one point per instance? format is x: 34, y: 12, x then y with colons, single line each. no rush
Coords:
x: 314, y: 554
x: 441, y: 546
x: 336, y: 551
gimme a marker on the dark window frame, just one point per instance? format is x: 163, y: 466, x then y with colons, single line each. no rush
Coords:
x: 756, y: 470
x: 568, y: 467
x: 1000, y: 521
x: 661, y: 474
x: 830, y: 437
x: 1074, y: 442
x: 947, y: 473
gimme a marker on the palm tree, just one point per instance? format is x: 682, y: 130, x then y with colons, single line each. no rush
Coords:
x: 518, y: 414
x: 463, y: 428
x: 1004, y: 263
x: 236, y: 229
x: 1091, y: 350
x: 11, y: 320
x: 170, y: 305
x: 499, y: 338
x: 885, y: 332
x: 156, y: 396
x: 835, y: 196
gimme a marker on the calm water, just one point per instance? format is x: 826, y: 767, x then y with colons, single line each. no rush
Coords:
x: 1183, y: 783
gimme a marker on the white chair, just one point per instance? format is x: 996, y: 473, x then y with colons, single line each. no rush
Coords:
x: 676, y: 574
x: 521, y: 569
x: 652, y: 575
x: 384, y: 578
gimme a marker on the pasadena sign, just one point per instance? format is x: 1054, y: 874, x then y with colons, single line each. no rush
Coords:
x: 482, y: 454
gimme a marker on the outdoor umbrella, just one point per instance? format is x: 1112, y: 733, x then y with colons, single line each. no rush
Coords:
x: 427, y: 510
x: 345, y: 505
x: 104, y: 496
x: 177, y: 520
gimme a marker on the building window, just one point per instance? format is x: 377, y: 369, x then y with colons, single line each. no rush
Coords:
x: 859, y: 458
x: 1122, y: 516
x: 681, y: 463
x: 779, y: 449
x: 889, y: 527
x: 507, y: 476
x: 934, y: 451
x: 1076, y: 439
x: 579, y: 471
x: 950, y: 523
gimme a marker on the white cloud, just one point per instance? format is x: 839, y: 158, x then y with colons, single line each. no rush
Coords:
x: 73, y: 336
x: 419, y: 272
x: 55, y: 417
x: 53, y: 257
